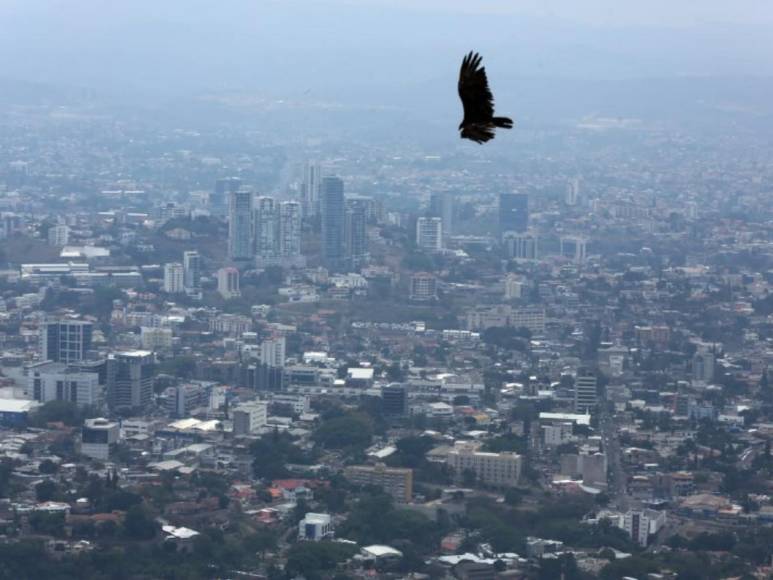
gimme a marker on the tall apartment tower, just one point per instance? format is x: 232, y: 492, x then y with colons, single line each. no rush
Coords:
x: 441, y: 205
x: 174, y: 278
x: 240, y: 225
x: 224, y: 187
x: 333, y: 218
x: 272, y: 351
x: 228, y: 283
x: 130, y: 380
x: 191, y: 270
x: 266, y: 229
x: 585, y: 390
x: 65, y: 341
x: 429, y: 233
x: 522, y: 246
x: 513, y: 213
x: 310, y: 189
x: 356, y: 232
x: 290, y: 230
x: 573, y: 192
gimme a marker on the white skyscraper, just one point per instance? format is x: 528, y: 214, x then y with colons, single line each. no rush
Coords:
x: 522, y: 246
x: 272, y: 351
x: 59, y: 235
x: 192, y: 270
x: 228, y: 283
x: 310, y: 188
x: 573, y: 191
x: 174, y: 278
x: 585, y: 391
x: 429, y: 233
x: 266, y: 232
x: 356, y: 231
x: 240, y: 225
x: 290, y: 230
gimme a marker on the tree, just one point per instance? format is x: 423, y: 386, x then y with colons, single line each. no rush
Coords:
x: 312, y: 559
x: 60, y: 412
x: 350, y: 430
x: 46, y: 490
x: 469, y: 477
x: 271, y: 454
x: 48, y: 467
x: 138, y: 525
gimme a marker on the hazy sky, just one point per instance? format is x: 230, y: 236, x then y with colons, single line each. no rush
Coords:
x: 335, y: 47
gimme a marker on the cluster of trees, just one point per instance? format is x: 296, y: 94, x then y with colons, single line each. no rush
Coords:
x: 313, y: 559
x: 344, y: 430
x: 271, y: 454
x: 374, y: 519
x: 61, y: 412
x: 411, y: 452
x: 556, y: 518
x: 215, y: 554
x: 507, y: 337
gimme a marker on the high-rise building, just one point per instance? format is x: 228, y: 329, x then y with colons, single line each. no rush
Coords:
x: 394, y: 399
x: 240, y: 225
x: 640, y: 525
x: 356, y: 232
x: 192, y: 271
x: 59, y: 235
x: 228, y: 283
x: 574, y: 248
x: 156, y: 338
x: 65, y: 341
x: 130, y: 380
x: 496, y: 469
x: 585, y: 390
x: 98, y: 437
x: 523, y: 246
x: 266, y: 230
x: 573, y: 192
x: 174, y: 278
x: 513, y: 213
x: 333, y: 218
x: 703, y: 366
x: 423, y: 286
x: 272, y: 351
x: 290, y: 231
x: 441, y: 204
x: 223, y: 189
x: 249, y: 417
x: 52, y: 381
x: 310, y: 189
x: 429, y: 233
x: 396, y: 481
x: 181, y: 400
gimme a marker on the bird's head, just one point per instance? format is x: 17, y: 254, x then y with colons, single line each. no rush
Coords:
x: 461, y: 125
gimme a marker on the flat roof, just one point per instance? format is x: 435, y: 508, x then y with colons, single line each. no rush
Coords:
x: 17, y: 405
x: 575, y: 418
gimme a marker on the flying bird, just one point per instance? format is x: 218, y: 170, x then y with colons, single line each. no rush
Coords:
x: 478, y: 102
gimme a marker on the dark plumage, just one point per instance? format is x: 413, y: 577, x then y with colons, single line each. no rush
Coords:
x: 479, y: 120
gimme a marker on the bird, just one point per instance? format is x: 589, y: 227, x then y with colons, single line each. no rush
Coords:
x: 479, y: 121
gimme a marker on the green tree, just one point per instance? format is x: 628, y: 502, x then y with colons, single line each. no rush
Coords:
x: 138, y: 525
x: 46, y: 490
x: 313, y: 559
x: 350, y: 430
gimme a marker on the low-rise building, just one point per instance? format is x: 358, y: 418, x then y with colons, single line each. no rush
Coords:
x: 396, y: 481
x: 497, y: 469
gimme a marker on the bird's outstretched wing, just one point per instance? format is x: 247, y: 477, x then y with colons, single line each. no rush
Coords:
x: 477, y: 100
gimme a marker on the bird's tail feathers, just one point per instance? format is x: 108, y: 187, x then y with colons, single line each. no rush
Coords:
x: 504, y: 122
